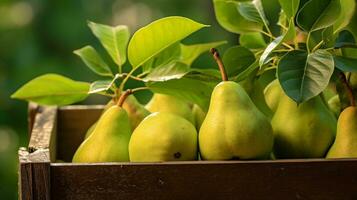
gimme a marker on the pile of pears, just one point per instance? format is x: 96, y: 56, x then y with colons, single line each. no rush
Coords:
x: 234, y: 127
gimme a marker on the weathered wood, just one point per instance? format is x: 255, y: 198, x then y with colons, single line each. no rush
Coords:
x: 43, y: 135
x: 303, y: 179
x: 41, y: 181
x: 74, y: 122
x: 25, y: 176
x: 34, y: 163
x: 32, y: 111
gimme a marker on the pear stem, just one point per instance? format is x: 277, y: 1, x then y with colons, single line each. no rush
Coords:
x: 123, y: 97
x: 344, y: 81
x: 218, y: 60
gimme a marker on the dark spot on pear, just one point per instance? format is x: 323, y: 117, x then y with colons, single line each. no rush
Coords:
x: 177, y: 155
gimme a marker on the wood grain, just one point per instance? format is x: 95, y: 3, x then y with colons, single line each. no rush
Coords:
x: 200, y: 180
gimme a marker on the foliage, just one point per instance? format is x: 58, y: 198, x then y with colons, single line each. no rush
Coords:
x: 307, y: 49
x: 165, y: 64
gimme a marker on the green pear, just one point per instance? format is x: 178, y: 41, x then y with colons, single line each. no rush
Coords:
x: 199, y: 116
x: 109, y: 140
x: 272, y: 94
x: 335, y: 105
x: 136, y: 112
x: 255, y: 91
x: 302, y: 131
x: 171, y: 104
x: 90, y: 130
x: 234, y: 127
x: 345, y: 145
x: 163, y: 136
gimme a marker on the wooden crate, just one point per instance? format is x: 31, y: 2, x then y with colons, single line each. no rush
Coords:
x: 57, y: 132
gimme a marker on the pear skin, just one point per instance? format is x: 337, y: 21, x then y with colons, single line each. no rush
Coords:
x: 109, y: 139
x: 163, y: 137
x: 334, y: 104
x: 303, y: 131
x: 136, y: 111
x: 272, y: 94
x: 256, y: 93
x: 171, y: 104
x: 234, y: 128
x: 199, y: 116
x: 345, y: 145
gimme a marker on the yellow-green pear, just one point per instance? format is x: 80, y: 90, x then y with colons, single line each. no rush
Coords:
x: 234, y: 128
x: 90, y: 130
x: 334, y: 104
x: 255, y: 90
x: 345, y: 145
x: 136, y: 112
x: 109, y: 140
x: 303, y: 131
x: 272, y: 94
x: 171, y: 104
x: 199, y: 116
x: 163, y: 136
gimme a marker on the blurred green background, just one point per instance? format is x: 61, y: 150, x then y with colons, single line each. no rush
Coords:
x: 39, y: 36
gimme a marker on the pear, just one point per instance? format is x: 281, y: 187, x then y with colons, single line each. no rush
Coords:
x: 234, y: 127
x: 136, y: 112
x: 199, y: 116
x: 345, y: 145
x: 334, y: 104
x: 90, y: 130
x: 163, y: 136
x: 272, y: 94
x: 109, y: 140
x: 255, y: 90
x: 302, y: 131
x: 171, y: 104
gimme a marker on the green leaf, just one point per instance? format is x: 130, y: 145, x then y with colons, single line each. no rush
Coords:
x: 345, y: 39
x: 237, y: 59
x: 230, y: 19
x: 101, y: 87
x: 346, y: 64
x: 53, y: 89
x: 304, y: 76
x: 190, y: 53
x: 318, y: 14
x: 348, y: 8
x: 247, y: 72
x: 114, y: 40
x: 207, y: 75
x: 252, y: 40
x: 166, y: 56
x: 253, y: 11
x: 175, y: 70
x: 191, y: 90
x: 157, y: 36
x: 93, y: 60
x: 290, y: 7
x: 264, y: 59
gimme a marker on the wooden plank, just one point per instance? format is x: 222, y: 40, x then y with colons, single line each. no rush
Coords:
x: 43, y: 135
x: 25, y: 176
x: 304, y: 179
x: 74, y: 122
x: 32, y: 111
x: 41, y: 181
